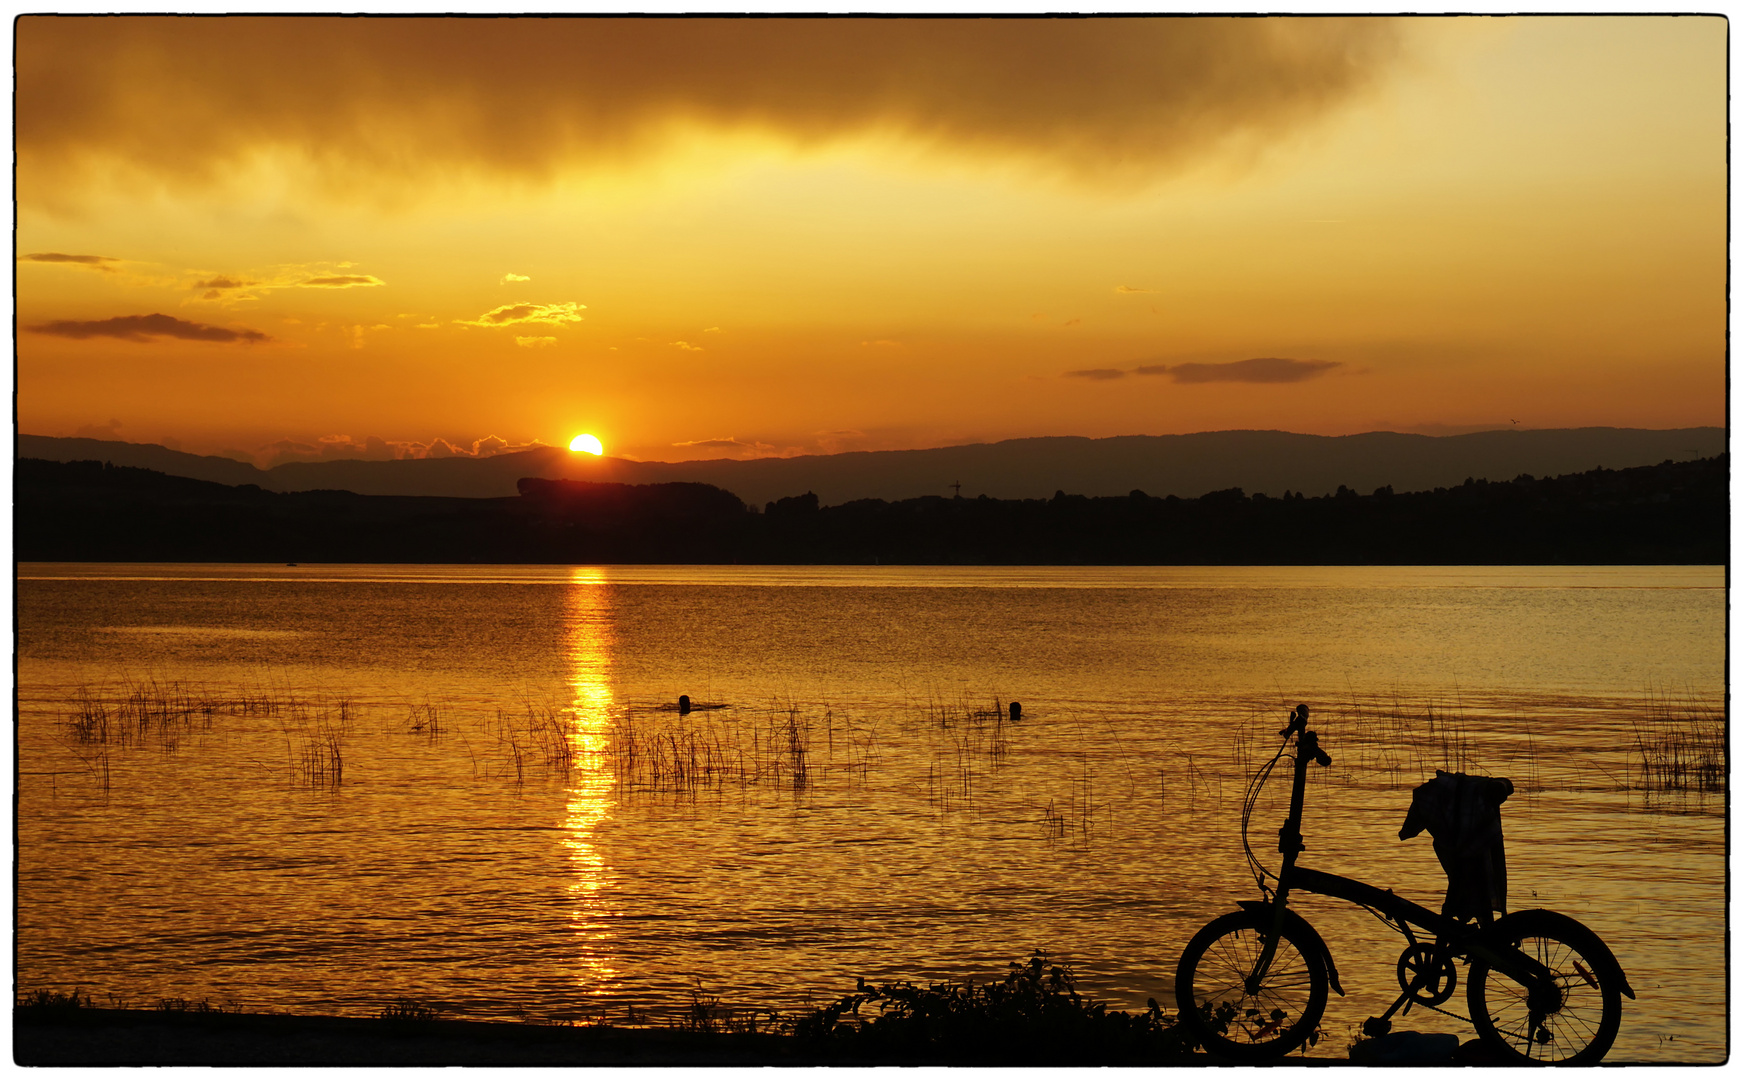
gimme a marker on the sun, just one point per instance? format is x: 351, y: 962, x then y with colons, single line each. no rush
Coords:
x: 586, y: 444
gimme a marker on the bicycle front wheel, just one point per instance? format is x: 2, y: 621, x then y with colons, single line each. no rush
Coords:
x: 1249, y: 1019
x: 1570, y: 1021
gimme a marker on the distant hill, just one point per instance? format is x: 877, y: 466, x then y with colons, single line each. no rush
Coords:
x: 1187, y: 466
x: 1675, y: 512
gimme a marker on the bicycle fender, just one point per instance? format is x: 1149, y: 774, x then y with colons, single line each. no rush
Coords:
x: 1601, y: 953
x: 1304, y: 930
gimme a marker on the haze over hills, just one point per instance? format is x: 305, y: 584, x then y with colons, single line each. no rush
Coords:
x: 1183, y: 465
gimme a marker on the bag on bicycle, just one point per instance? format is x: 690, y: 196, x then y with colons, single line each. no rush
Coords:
x: 1463, y: 815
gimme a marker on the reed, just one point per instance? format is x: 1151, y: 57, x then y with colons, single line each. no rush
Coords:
x: 426, y: 720
x: 538, y: 740
x: 187, y: 1005
x: 54, y: 1001
x: 318, y: 758
x: 1680, y: 748
x: 967, y: 744
x: 408, y: 1012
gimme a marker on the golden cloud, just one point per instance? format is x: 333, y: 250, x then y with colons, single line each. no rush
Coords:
x: 1105, y: 99
x: 510, y: 278
x: 517, y: 314
x: 534, y: 342
x: 340, y: 281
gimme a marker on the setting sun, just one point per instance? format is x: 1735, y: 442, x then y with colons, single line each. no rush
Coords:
x: 586, y: 444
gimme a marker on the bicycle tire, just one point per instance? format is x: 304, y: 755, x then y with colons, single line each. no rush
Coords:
x: 1282, y: 1014
x: 1581, y: 1027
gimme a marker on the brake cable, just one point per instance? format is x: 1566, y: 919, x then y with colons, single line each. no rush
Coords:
x: 1249, y: 802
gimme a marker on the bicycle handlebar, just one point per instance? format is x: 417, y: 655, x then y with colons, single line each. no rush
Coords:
x: 1298, y: 726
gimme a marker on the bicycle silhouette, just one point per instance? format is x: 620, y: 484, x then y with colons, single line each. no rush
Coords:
x: 1540, y: 986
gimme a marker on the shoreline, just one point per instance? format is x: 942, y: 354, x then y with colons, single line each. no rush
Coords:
x: 141, y: 1037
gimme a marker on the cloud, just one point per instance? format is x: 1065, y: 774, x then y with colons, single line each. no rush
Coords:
x: 374, y: 448
x: 1263, y: 369
x: 95, y: 262
x: 1100, y: 100
x: 733, y: 447
x: 145, y: 327
x: 110, y: 431
x: 429, y: 326
x: 1126, y: 289
x: 711, y: 329
x: 516, y: 314
x: 534, y: 342
x: 340, y: 281
x: 508, y: 278
x: 685, y: 345
x: 834, y: 442
x: 223, y: 282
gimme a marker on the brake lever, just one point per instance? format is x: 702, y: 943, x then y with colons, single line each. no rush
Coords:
x: 1297, y: 722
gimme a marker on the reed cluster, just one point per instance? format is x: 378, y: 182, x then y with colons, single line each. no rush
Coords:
x: 144, y: 711
x: 966, y: 744
x: 656, y: 750
x: 538, y: 740
x: 1681, y: 749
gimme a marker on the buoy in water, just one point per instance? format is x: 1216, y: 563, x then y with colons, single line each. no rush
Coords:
x: 683, y: 704
x: 1016, y: 711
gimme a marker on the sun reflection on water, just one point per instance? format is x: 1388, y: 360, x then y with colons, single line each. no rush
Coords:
x: 588, y: 634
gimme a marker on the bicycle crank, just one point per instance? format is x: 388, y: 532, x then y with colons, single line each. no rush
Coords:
x: 1426, y: 978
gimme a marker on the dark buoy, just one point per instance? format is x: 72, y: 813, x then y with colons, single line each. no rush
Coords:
x: 1016, y: 711
x: 683, y: 704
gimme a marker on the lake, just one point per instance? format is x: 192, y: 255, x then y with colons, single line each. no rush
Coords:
x: 320, y: 789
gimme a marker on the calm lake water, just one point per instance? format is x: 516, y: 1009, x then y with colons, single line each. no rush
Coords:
x: 471, y: 786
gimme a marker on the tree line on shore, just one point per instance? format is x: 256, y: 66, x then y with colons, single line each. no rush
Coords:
x: 1674, y: 512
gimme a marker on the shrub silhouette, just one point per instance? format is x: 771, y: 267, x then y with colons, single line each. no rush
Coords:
x: 1034, y: 1015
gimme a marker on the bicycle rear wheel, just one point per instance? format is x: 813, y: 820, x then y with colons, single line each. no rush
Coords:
x: 1250, y: 1020
x: 1572, y: 1024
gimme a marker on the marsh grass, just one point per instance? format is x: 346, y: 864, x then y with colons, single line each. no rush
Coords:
x: 1679, y: 748
x: 54, y: 1001
x: 425, y: 720
x: 408, y: 1012
x: 966, y: 744
x: 539, y: 740
x: 202, y: 1006
x: 1393, y: 744
x: 787, y: 745
x: 1034, y: 1015
x: 707, y: 1016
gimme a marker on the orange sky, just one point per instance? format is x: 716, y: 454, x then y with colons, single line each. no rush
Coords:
x: 706, y: 237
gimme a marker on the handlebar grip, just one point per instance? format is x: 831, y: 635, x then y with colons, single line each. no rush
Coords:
x: 1322, y: 757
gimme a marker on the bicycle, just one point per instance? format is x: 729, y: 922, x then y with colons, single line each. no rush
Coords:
x: 1252, y: 985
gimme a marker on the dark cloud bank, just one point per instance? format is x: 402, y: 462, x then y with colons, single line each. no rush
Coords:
x: 1103, y: 99
x: 95, y: 262
x: 144, y: 328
